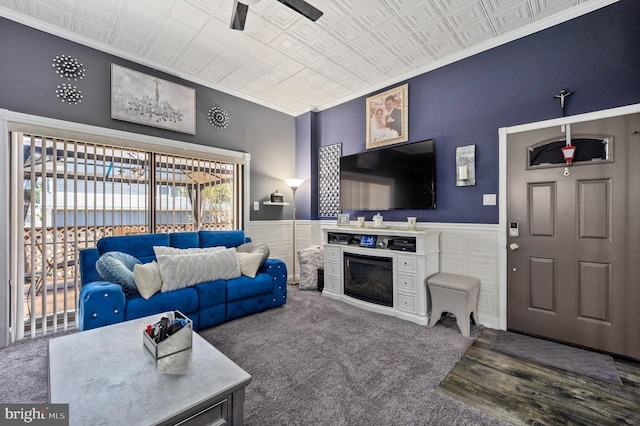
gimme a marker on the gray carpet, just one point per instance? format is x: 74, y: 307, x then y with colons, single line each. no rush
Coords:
x: 314, y: 361
x: 551, y: 354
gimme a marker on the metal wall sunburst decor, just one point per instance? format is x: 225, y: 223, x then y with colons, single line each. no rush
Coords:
x: 218, y: 117
x: 68, y: 67
x: 69, y: 93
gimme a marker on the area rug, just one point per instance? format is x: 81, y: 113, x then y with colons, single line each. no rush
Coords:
x: 551, y: 354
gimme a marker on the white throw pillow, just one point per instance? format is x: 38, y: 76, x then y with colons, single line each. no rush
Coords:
x: 180, y: 271
x: 172, y: 251
x: 249, y: 263
x: 147, y: 278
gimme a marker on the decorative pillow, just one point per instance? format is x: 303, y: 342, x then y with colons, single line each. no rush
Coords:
x: 255, y: 247
x: 249, y: 263
x: 172, y: 251
x: 180, y: 271
x: 147, y: 278
x: 310, y: 259
x: 117, y: 267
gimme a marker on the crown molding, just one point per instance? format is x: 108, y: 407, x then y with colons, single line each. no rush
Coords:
x: 535, y: 27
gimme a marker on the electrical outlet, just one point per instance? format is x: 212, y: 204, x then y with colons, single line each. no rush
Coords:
x: 256, y: 205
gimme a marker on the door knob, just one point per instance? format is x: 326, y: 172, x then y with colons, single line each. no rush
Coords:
x: 514, y: 246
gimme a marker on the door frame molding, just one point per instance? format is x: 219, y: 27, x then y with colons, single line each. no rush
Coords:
x: 503, y: 133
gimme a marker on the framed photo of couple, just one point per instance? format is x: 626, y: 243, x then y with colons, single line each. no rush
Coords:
x: 388, y: 117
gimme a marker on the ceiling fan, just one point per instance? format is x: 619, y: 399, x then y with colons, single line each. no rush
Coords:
x: 240, y: 9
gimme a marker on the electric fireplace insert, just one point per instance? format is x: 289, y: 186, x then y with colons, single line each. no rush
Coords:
x: 369, y: 278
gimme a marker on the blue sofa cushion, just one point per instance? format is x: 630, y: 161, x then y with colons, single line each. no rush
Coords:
x: 117, y: 267
x: 245, y: 287
x: 183, y: 240
x: 139, y: 246
x: 211, y: 293
x: 221, y: 238
x: 184, y: 300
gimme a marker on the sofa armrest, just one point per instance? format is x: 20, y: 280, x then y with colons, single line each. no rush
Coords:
x: 101, y: 303
x: 88, y: 259
x: 277, y: 269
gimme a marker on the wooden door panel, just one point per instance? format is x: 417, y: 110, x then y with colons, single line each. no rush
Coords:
x: 542, y: 202
x: 594, y: 291
x: 542, y: 284
x: 594, y: 209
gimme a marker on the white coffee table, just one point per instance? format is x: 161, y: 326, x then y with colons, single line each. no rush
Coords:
x: 108, y: 377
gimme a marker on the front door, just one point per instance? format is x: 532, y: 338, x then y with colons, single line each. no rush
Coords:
x: 573, y: 238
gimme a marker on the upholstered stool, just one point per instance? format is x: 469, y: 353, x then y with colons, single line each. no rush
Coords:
x: 456, y: 294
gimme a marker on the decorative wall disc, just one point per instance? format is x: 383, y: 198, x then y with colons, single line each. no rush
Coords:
x: 218, y: 117
x: 69, y: 93
x: 68, y: 67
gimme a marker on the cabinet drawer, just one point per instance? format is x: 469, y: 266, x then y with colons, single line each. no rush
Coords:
x: 407, y: 303
x: 407, y: 263
x: 217, y: 414
x: 332, y: 254
x: 332, y: 268
x: 407, y: 283
x: 332, y: 283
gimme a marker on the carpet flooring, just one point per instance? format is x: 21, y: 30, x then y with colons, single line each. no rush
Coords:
x: 592, y: 364
x: 317, y: 361
x: 524, y: 392
x: 313, y: 361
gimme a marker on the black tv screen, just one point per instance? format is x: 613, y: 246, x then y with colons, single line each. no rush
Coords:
x: 396, y: 177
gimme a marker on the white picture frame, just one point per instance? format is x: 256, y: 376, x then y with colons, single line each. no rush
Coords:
x: 343, y: 219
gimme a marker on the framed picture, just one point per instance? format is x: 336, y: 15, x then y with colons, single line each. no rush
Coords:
x: 343, y: 220
x: 144, y: 99
x: 388, y: 117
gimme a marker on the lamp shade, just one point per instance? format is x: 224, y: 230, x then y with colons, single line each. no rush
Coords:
x: 294, y: 183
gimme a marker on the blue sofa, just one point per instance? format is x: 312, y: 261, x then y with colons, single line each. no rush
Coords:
x: 103, y: 303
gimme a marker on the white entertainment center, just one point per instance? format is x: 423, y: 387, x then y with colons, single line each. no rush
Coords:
x: 414, y: 257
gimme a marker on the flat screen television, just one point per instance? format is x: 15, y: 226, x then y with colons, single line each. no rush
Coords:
x: 390, y: 178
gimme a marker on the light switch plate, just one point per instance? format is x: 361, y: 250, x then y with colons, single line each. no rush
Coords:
x: 256, y: 205
x: 488, y: 199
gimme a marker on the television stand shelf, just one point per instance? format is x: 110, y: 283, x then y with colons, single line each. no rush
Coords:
x: 410, y: 269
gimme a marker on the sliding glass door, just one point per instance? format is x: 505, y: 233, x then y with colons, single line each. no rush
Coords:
x: 69, y: 194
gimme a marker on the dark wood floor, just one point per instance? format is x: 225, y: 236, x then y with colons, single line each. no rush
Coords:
x: 525, y: 393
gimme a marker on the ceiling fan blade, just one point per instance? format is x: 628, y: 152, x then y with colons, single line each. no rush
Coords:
x: 238, y: 15
x: 303, y: 8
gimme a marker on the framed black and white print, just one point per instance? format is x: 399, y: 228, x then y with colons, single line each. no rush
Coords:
x: 144, y: 99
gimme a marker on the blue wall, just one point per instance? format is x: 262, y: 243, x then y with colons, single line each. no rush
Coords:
x: 596, y: 56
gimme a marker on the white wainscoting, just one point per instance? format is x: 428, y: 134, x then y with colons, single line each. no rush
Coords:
x: 468, y: 249
x: 473, y: 250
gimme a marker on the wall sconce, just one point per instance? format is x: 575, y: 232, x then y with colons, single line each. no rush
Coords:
x: 466, y: 165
